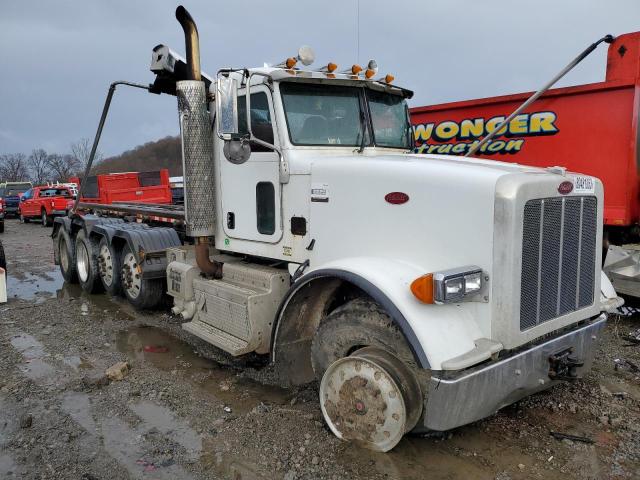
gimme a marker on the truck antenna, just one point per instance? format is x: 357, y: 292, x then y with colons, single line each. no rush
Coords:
x: 535, y: 96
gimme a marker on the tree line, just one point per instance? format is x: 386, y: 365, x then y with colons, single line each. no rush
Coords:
x: 41, y: 167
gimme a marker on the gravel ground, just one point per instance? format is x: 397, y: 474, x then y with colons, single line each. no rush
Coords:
x: 186, y: 411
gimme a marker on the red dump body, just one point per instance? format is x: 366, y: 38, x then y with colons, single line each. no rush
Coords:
x: 590, y: 129
x: 129, y: 187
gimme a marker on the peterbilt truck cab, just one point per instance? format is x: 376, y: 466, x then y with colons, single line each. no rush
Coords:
x: 419, y: 293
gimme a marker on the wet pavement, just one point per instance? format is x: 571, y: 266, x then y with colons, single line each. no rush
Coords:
x: 187, y: 411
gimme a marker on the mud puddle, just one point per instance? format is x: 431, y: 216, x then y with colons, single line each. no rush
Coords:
x: 141, y: 449
x: 32, y: 351
x: 154, y: 346
x: 34, y: 286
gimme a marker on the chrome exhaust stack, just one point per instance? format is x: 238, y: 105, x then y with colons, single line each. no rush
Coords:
x: 197, y: 151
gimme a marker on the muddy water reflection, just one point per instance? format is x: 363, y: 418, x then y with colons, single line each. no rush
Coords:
x: 34, y: 286
x: 239, y: 393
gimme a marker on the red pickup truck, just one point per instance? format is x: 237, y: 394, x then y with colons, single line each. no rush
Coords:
x: 45, y: 203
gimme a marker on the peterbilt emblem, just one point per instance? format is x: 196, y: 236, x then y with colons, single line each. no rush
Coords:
x: 565, y: 188
x: 396, y: 198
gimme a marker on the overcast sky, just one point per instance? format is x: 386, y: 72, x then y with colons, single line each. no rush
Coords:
x: 58, y: 57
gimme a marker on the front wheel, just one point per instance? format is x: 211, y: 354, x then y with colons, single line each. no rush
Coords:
x: 142, y: 293
x: 370, y: 398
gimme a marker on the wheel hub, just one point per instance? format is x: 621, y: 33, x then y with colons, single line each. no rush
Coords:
x: 105, y: 265
x: 362, y: 402
x: 83, y: 262
x: 131, y: 276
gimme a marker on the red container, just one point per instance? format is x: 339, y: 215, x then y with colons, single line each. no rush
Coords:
x: 129, y: 187
x: 590, y: 129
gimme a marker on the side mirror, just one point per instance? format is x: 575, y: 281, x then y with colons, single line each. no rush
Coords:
x: 22, y: 199
x: 227, y: 107
x: 237, y: 150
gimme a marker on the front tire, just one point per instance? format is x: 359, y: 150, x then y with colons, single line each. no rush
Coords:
x: 356, y: 324
x: 87, y: 263
x: 142, y: 293
x: 370, y: 398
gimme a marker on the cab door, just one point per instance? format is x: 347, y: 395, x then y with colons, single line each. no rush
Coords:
x: 26, y: 202
x: 251, y: 192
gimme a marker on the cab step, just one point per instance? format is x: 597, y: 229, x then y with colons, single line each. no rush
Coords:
x: 236, y: 313
x: 217, y: 337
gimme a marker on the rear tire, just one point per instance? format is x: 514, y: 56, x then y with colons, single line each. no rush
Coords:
x: 142, y: 293
x: 66, y: 250
x: 87, y: 263
x: 47, y: 221
x: 2, y: 226
x: 110, y: 267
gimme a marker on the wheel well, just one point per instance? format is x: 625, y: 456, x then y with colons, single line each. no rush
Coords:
x: 300, y: 316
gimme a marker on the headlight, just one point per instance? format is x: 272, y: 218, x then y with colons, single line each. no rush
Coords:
x: 454, y: 285
x: 448, y: 286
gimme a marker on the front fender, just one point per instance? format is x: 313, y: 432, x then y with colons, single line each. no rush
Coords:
x: 435, y: 333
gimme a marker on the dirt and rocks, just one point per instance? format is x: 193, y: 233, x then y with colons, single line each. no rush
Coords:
x: 182, y: 410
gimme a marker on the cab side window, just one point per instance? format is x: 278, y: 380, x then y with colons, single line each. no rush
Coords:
x: 28, y: 194
x: 260, y: 119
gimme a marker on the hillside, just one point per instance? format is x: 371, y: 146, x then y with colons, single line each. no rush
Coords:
x: 163, y: 153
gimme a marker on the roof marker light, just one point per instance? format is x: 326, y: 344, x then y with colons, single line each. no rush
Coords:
x: 306, y: 56
x: 388, y: 78
x: 372, y: 69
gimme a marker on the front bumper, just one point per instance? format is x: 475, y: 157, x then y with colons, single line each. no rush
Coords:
x: 453, y: 402
x: 58, y: 213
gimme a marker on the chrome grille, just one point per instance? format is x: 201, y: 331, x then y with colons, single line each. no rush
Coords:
x: 558, y: 258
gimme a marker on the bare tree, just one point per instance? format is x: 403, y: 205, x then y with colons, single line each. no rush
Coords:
x: 81, y: 151
x: 62, y: 166
x: 39, y: 166
x: 13, y: 167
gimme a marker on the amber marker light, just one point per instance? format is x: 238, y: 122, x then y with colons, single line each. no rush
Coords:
x: 290, y: 62
x: 331, y: 67
x: 422, y: 288
x: 356, y: 69
x: 388, y: 78
x: 372, y: 69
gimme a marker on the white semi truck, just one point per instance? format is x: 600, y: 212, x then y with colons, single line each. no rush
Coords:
x: 422, y: 293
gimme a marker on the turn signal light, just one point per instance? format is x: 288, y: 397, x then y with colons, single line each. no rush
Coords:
x: 422, y: 288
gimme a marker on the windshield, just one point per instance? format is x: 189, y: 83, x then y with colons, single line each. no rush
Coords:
x: 333, y: 115
x: 14, y: 190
